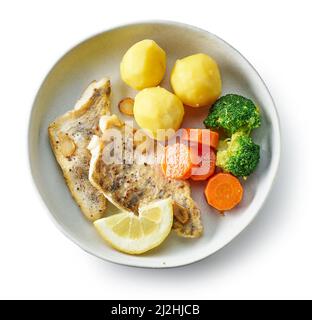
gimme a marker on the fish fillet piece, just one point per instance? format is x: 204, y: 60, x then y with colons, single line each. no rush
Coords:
x: 70, y: 135
x: 129, y: 186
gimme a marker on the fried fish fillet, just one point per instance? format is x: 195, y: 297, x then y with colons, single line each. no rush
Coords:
x: 70, y: 135
x: 130, y: 185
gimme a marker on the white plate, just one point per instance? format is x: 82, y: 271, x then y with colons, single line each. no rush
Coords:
x: 100, y: 56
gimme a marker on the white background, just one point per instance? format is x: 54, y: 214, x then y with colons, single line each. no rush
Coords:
x: 271, y: 259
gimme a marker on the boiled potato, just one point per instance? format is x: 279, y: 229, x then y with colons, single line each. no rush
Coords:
x: 143, y: 65
x: 196, y: 80
x: 157, y: 108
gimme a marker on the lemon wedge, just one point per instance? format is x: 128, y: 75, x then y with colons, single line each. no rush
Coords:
x: 136, y: 234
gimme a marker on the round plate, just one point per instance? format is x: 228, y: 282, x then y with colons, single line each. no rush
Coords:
x: 100, y: 56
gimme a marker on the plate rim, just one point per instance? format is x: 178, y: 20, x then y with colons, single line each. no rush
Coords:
x: 275, y: 162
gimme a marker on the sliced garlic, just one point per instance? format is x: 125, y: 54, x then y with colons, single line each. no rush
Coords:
x: 67, y: 145
x: 126, y: 106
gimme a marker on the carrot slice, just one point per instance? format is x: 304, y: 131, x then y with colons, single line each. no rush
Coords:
x: 206, y: 168
x: 224, y: 192
x: 201, y: 136
x: 177, y: 162
x: 196, y: 155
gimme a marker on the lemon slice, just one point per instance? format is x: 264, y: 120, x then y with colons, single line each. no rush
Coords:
x: 136, y: 234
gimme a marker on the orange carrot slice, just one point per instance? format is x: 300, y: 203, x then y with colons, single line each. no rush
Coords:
x: 177, y: 162
x: 206, y: 168
x: 224, y: 192
x: 201, y: 136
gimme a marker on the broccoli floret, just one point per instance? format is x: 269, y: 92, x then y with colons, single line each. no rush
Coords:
x: 233, y: 113
x: 240, y: 155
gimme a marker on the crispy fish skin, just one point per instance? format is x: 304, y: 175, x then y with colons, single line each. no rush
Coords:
x: 129, y: 186
x: 77, y: 127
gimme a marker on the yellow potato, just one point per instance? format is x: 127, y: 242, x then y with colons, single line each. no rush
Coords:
x: 196, y: 80
x: 157, y: 108
x: 143, y: 65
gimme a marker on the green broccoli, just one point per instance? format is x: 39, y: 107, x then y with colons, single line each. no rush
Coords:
x: 239, y: 156
x: 233, y: 113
